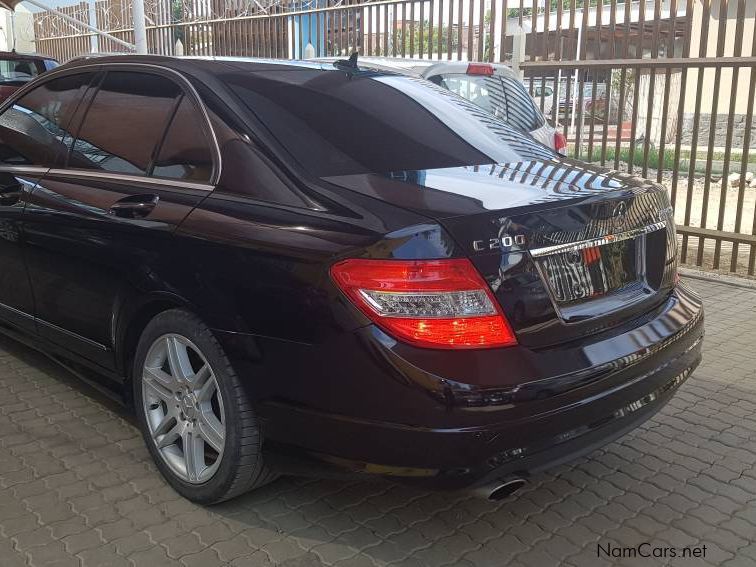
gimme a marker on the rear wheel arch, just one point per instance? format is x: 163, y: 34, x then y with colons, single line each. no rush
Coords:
x: 132, y: 324
x: 239, y: 346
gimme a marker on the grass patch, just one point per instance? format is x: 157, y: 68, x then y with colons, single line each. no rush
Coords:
x: 655, y: 160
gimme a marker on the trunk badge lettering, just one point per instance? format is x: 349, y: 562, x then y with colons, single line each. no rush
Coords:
x: 501, y: 243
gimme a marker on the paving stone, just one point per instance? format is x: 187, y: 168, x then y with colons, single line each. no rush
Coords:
x: 129, y: 544
x: 206, y: 558
x: 185, y: 544
x: 155, y: 555
x: 81, y: 541
x: 233, y: 548
x: 82, y: 491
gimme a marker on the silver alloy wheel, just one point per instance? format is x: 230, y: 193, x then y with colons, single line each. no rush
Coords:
x: 183, y: 408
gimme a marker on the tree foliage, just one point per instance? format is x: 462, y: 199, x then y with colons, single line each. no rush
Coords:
x: 430, y: 41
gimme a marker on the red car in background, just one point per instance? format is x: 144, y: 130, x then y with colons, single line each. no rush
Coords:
x: 17, y: 69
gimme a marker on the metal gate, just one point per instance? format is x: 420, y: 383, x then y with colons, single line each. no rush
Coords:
x: 659, y: 88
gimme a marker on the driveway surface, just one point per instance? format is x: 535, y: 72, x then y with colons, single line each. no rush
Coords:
x: 77, y: 487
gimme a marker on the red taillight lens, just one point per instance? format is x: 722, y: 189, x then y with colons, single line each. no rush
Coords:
x: 480, y: 69
x: 560, y: 143
x: 428, y: 303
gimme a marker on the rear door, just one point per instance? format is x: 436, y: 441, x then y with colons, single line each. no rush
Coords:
x: 33, y: 138
x: 99, y: 229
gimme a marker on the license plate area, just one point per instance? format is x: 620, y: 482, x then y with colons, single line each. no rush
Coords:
x: 594, y: 277
x: 591, y: 272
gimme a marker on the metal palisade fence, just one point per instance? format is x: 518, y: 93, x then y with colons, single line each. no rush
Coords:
x: 659, y: 88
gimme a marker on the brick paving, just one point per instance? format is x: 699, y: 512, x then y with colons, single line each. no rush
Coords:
x: 77, y: 486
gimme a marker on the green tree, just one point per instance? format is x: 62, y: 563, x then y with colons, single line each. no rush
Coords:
x: 430, y: 44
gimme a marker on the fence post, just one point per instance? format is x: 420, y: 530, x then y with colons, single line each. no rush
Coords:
x: 92, y: 16
x: 140, y: 32
x: 519, y: 38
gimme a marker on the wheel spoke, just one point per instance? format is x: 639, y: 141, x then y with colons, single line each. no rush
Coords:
x: 169, y: 437
x: 208, y: 386
x: 200, y: 378
x: 178, y: 359
x: 194, y: 456
x: 164, y: 426
x: 159, y: 384
x: 211, y: 430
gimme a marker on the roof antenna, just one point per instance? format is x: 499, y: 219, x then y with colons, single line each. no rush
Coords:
x: 347, y: 64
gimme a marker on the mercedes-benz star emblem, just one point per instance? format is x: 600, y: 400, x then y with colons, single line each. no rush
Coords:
x: 619, y: 216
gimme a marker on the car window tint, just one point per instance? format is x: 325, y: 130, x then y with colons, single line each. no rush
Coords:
x: 247, y: 171
x: 185, y: 153
x: 484, y: 91
x: 124, y: 123
x: 335, y: 123
x: 32, y: 130
x: 522, y: 112
x: 504, y: 97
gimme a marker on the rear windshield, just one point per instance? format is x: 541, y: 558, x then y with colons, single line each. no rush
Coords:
x: 17, y: 71
x: 502, y: 96
x: 338, y: 123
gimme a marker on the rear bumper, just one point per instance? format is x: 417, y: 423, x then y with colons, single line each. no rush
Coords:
x: 446, y: 433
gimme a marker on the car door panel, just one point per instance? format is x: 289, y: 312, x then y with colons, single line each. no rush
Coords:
x: 33, y: 138
x: 86, y: 261
x: 99, y: 231
x: 16, y: 299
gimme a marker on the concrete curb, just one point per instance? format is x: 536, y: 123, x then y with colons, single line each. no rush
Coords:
x: 716, y: 277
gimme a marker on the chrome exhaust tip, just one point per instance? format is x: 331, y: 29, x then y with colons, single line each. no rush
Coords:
x: 500, y: 489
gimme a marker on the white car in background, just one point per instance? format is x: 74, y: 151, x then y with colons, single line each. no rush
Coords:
x: 492, y: 86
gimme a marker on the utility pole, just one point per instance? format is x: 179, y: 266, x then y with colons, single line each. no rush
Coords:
x: 94, y: 44
x: 140, y: 30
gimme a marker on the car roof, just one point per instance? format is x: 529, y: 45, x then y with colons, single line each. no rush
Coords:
x: 419, y: 67
x: 195, y: 65
x: 209, y: 64
x: 184, y: 61
x: 17, y: 55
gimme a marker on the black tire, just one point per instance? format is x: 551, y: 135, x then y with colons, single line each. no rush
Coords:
x: 241, y: 466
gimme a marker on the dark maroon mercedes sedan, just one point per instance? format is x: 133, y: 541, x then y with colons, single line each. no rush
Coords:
x: 317, y: 269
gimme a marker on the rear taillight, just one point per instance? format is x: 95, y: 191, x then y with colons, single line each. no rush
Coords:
x: 480, y: 69
x: 427, y: 303
x: 560, y: 143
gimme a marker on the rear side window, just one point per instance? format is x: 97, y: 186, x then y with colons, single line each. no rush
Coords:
x: 33, y: 130
x: 521, y: 110
x: 125, y: 122
x: 504, y: 97
x: 185, y: 152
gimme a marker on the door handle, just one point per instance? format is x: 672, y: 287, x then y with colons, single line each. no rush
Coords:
x: 10, y: 194
x: 134, y: 206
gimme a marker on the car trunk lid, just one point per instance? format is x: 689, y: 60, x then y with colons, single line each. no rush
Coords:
x: 568, y: 249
